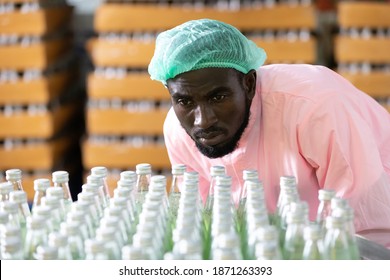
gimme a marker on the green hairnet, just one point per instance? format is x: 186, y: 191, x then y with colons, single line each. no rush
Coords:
x: 201, y: 44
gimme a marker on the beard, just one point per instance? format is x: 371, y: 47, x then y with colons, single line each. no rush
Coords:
x: 221, y: 150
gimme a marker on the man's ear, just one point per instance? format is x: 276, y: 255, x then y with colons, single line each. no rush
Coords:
x: 250, y: 83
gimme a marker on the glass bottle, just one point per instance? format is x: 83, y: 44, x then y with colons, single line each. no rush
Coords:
x: 130, y: 177
x: 12, y: 209
x: 75, y: 239
x: 20, y: 197
x: 55, y: 206
x: 248, y: 174
x: 80, y: 218
x: 102, y: 172
x: 46, y: 252
x: 174, y: 191
x: 227, y: 247
x: 5, y: 189
x: 40, y: 187
x: 61, y: 179
x: 14, y: 176
x: 144, y: 174
x: 324, y: 208
x: 288, y: 185
x: 95, y: 250
x: 294, y: 239
x: 265, y: 236
x: 130, y: 252
x: 126, y: 194
x: 268, y: 251
x: 3, y: 223
x: 60, y: 241
x: 336, y: 239
x: 108, y: 236
x: 314, y: 246
x: 36, y: 235
x: 93, y: 188
x: 348, y: 214
x: 98, y: 183
x: 58, y: 193
x: 216, y: 170
x: 122, y: 203
x: 12, y: 248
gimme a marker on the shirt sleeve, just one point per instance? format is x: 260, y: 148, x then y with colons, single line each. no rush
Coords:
x: 342, y: 146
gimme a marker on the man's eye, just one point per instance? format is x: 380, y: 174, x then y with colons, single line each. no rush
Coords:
x: 183, y: 102
x: 217, y: 98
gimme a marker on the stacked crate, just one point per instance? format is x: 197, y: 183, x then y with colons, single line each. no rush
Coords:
x: 362, y: 47
x: 37, y: 88
x: 126, y: 109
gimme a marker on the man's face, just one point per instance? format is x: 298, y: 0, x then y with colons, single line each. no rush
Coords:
x: 213, y: 107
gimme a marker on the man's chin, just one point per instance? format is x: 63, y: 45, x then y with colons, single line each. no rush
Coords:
x: 216, y: 151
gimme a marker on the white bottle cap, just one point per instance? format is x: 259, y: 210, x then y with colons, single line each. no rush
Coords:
x: 13, y: 174
x: 60, y: 177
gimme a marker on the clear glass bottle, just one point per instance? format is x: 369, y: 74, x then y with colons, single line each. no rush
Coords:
x: 227, y: 247
x: 3, y: 223
x: 118, y: 212
x: 324, y: 208
x: 111, y: 222
x: 190, y: 249
x: 268, y: 251
x: 102, y: 172
x: 294, y: 239
x: 20, y: 197
x: 145, y: 241
x: 36, y: 235
x: 95, y: 250
x: 61, y: 179
x: 60, y: 241
x: 92, y: 188
x: 130, y: 177
x: 14, y: 176
x: 108, y: 235
x: 46, y: 252
x: 174, y: 191
x: 248, y: 174
x: 80, y: 218
x: 55, y: 206
x: 267, y: 244
x: 5, y: 189
x: 314, y: 246
x: 122, y: 203
x: 144, y: 174
x: 12, y: 248
x: 98, y: 183
x: 130, y: 252
x: 336, y: 239
x: 46, y: 212
x: 125, y: 193
x: 348, y: 214
x: 40, y: 187
x: 216, y: 170
x: 75, y: 239
x: 288, y: 185
x: 58, y: 193
x: 12, y: 209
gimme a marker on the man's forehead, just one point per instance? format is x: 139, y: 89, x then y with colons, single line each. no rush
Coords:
x: 204, y: 77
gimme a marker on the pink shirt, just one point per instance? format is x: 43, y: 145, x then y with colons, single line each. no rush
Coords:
x: 309, y: 122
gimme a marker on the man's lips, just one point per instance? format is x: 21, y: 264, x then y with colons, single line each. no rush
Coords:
x: 211, y: 139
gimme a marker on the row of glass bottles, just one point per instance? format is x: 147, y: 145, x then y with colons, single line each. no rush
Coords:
x: 143, y: 221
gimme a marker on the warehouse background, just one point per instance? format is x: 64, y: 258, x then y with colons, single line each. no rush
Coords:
x: 75, y: 93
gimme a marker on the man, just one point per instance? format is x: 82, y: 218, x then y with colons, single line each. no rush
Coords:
x: 300, y: 120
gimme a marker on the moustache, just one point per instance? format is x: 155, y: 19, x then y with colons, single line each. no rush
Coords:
x: 202, y: 133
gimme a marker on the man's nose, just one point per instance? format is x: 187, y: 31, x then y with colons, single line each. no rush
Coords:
x: 204, y: 117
